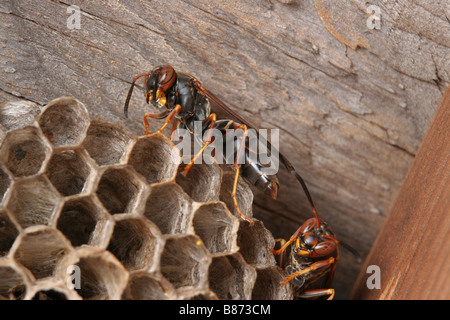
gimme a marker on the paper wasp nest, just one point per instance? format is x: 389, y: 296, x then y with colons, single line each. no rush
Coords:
x: 86, y: 198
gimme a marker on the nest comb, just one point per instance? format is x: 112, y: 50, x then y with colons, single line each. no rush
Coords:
x: 87, y: 194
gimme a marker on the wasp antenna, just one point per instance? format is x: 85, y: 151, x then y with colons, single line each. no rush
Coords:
x: 308, y: 195
x: 127, y: 101
x: 352, y: 250
x: 130, y: 92
x: 346, y: 246
x: 291, y: 169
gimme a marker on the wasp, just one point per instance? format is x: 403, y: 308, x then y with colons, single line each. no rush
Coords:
x: 185, y: 100
x: 313, y: 258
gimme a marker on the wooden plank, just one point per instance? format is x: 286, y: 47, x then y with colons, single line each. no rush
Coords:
x: 412, y: 249
x: 352, y: 103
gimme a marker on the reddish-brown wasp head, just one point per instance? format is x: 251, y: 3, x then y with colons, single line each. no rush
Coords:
x: 316, y: 242
x: 158, y: 83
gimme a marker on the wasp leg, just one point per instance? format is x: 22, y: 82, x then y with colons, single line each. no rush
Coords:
x: 282, y: 254
x: 161, y: 115
x: 212, y: 117
x: 175, y: 125
x: 281, y: 241
x: 237, y: 167
x: 317, y: 293
x: 284, y: 246
x: 233, y: 195
x: 170, y: 117
x: 331, y: 274
x: 312, y: 267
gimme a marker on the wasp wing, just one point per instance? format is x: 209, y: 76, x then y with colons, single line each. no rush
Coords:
x: 240, y: 119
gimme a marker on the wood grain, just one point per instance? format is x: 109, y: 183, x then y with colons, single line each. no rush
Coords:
x: 412, y: 248
x: 352, y: 104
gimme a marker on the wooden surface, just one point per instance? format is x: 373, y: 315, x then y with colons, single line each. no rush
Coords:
x: 412, y: 249
x: 352, y: 103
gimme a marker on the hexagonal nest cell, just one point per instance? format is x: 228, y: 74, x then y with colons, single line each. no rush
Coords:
x: 91, y: 211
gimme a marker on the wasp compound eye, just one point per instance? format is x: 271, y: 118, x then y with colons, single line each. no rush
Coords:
x: 309, y: 240
x: 166, y: 78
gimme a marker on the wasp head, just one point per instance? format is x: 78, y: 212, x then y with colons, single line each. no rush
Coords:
x: 316, y: 242
x: 158, y: 83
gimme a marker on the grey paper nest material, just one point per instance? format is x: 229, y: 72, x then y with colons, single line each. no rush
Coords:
x: 86, y: 195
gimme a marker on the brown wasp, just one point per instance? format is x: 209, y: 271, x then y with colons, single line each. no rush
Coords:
x: 313, y: 257
x: 186, y: 100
